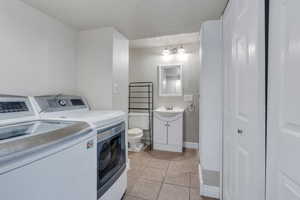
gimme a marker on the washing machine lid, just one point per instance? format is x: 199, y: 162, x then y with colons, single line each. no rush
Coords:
x: 22, y: 137
x: 27, y: 142
x: 100, y: 119
x: 96, y: 119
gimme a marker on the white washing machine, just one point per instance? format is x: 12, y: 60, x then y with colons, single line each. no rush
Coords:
x: 44, y: 159
x: 111, y: 128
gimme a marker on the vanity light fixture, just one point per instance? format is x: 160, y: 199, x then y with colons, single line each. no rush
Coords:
x: 181, y: 54
x: 181, y: 50
x: 166, y: 52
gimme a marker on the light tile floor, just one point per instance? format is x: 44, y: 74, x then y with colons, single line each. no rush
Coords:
x: 157, y: 175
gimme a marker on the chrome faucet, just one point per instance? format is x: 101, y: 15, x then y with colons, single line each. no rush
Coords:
x: 169, y: 107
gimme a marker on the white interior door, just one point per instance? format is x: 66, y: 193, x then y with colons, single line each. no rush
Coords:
x: 283, y: 163
x: 244, y: 131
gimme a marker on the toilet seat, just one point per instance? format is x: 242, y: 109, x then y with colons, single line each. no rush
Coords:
x: 135, y: 132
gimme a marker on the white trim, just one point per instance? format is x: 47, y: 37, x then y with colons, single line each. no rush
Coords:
x: 191, y: 145
x: 128, y: 165
x: 209, y: 191
x: 166, y: 147
x: 200, y: 175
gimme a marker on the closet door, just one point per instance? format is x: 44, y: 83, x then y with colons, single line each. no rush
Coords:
x: 244, y: 133
x: 283, y: 164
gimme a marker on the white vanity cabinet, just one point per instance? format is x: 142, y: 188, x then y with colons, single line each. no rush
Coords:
x: 168, y: 131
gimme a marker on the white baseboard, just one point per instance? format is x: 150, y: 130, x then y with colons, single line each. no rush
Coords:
x: 207, y: 190
x: 190, y: 145
x: 128, y: 164
x: 210, y: 191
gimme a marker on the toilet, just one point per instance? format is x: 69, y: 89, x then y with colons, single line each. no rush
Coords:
x: 138, y: 123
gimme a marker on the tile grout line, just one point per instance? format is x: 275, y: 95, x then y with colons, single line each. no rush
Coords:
x: 164, y: 178
x: 190, y: 184
x: 163, y: 182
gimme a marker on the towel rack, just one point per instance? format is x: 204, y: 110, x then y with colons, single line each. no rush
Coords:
x: 141, y: 100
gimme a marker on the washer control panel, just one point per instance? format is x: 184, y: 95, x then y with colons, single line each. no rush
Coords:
x: 13, y: 107
x: 54, y: 103
x: 9, y: 107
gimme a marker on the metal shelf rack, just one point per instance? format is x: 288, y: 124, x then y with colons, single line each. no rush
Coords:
x: 141, y: 100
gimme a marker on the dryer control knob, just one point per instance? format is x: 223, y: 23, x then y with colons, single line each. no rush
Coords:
x: 62, y: 102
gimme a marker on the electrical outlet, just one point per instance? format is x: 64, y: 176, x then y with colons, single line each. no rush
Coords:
x: 116, y: 88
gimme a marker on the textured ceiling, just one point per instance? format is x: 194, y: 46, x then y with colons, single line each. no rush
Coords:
x: 166, y: 41
x: 134, y: 18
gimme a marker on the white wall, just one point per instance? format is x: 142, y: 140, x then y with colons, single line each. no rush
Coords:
x: 103, y: 68
x: 37, y: 52
x: 94, y: 65
x: 211, y: 106
x: 40, y: 55
x: 143, y: 64
x: 211, y: 95
x: 120, y: 72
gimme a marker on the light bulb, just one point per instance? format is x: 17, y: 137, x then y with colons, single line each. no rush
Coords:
x: 181, y: 50
x: 166, y: 52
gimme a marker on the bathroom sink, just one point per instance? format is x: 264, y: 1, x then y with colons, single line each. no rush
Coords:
x: 168, y: 112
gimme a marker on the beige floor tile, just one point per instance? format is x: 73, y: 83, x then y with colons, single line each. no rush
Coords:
x: 177, y: 170
x: 144, y: 154
x: 182, y: 179
x: 140, y: 155
x: 195, y: 195
x: 137, y: 157
x: 132, y: 155
x: 188, y: 154
x: 138, y: 163
x: 165, y: 155
x: 184, y: 166
x: 154, y: 174
x: 135, y: 172
x: 194, y: 180
x: 131, y: 181
x: 146, y: 189
x: 191, y: 157
x: 128, y: 197
x: 159, y: 164
x: 182, y: 163
x: 173, y: 192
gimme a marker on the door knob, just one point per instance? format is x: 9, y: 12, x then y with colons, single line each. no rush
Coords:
x: 240, y: 131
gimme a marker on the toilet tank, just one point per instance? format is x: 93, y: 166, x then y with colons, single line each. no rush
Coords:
x: 138, y: 120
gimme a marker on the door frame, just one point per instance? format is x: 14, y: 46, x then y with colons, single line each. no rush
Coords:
x: 267, y: 20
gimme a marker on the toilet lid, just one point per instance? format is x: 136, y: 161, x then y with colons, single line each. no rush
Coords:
x: 135, y: 131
